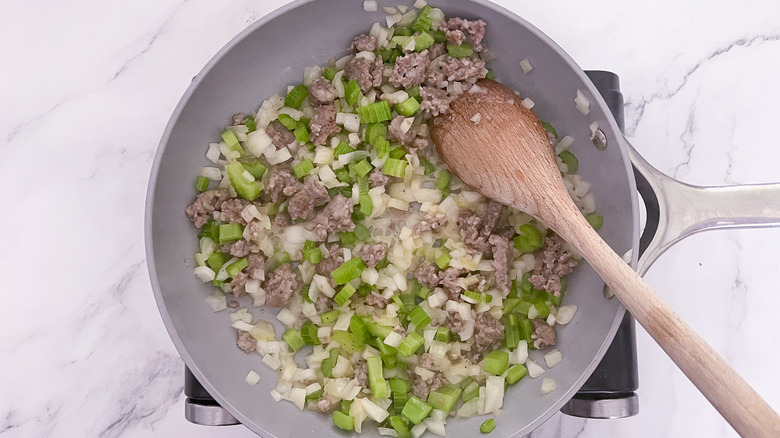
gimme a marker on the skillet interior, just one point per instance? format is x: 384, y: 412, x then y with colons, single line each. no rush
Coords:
x: 261, y: 61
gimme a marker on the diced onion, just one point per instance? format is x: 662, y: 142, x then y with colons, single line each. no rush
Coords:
x: 370, y: 6
x: 374, y: 412
x: 252, y: 378
x: 582, y: 103
x: 534, y: 369
x: 548, y: 385
x: 494, y: 394
x: 393, y: 339
x: 217, y: 301
x: 553, y: 358
x: 386, y: 431
x: 204, y: 273
x: 566, y: 313
x: 286, y: 317
x: 527, y: 102
x: 525, y: 64
x: 258, y: 142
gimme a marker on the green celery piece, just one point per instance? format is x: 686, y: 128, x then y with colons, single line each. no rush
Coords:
x: 408, y: 107
x: 439, y: 36
x: 303, y: 168
x: 423, y: 41
x: 210, y: 230
x: 216, y: 260
x: 344, y: 294
x: 301, y: 134
x: 348, y: 271
x: 366, y: 204
x: 347, y: 341
x: 541, y: 308
x: 376, y: 380
x: 329, y: 317
x: 526, y: 329
x: 362, y: 167
x: 410, y: 344
x: 470, y: 392
x: 400, y: 426
x: 403, y: 31
x: 329, y: 73
x: 515, y: 373
x: 329, y: 362
x: 395, y: 167
x: 570, y: 160
x: 309, y: 334
x: 423, y: 21
x: 249, y: 190
x: 397, y: 152
x: 488, y: 426
x: 202, y: 184
x: 461, y: 51
x: 236, y: 267
x: 419, y: 318
x: 416, y: 410
x: 496, y: 362
x: 549, y: 128
x: 342, y: 148
x: 352, y: 92
x: 288, y: 121
x: 343, y: 421
x: 230, y: 139
x: 375, y: 131
x: 529, y: 240
x: 358, y: 327
x: 296, y: 96
x: 443, y: 335
x: 254, y: 167
x: 415, y: 93
x: 313, y: 255
x: 384, y: 349
x: 444, y: 398
x: 595, y: 220
x: 443, y: 261
x: 230, y: 232
x: 375, y: 112
x: 293, y: 338
x: 250, y: 123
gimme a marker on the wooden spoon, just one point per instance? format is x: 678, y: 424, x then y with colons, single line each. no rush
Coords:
x: 506, y: 157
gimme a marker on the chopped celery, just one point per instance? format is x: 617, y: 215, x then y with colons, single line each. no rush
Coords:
x: 571, y: 161
x: 313, y: 255
x: 382, y: 147
x: 348, y: 271
x: 309, y: 334
x: 541, y: 308
x: 408, y: 107
x: 595, y: 220
x: 478, y: 296
x: 423, y: 21
x: 288, y: 121
x: 216, y: 260
x: 316, y: 395
x: 389, y: 55
x: 352, y: 92
x: 419, y: 318
x: 296, y: 96
x: 359, y: 329
x: 344, y: 294
x: 461, y: 51
x: 526, y: 329
x: 399, y: 389
x: 342, y: 148
x: 376, y: 380
x: 375, y: 131
x: 529, y: 240
x: 250, y: 123
x: 403, y: 31
x: 443, y: 261
x: 443, y: 334
x: 397, y: 152
x: 394, y: 167
x: 361, y: 233
x: 423, y: 41
x: 202, y: 184
x: 347, y: 341
x: 444, y: 398
x: 549, y: 128
x: 361, y: 168
x: 210, y: 230
x: 416, y: 410
x: 378, y: 330
x: 343, y: 421
x: 511, y: 336
x: 303, y: 168
x: 488, y: 426
x: 443, y: 180
x: 293, y: 338
x: 254, y: 167
x: 490, y: 74
x: 234, y: 268
x: 496, y: 362
x: 410, y: 344
x: 510, y: 304
x: 384, y: 349
x: 249, y: 190
x: 366, y: 204
x: 375, y: 112
x: 347, y: 238
x: 231, y: 141
x: 329, y: 317
x: 439, y: 36
x: 329, y: 73
x: 471, y: 391
x: 400, y: 426
x: 301, y: 134
x: 329, y: 362
x: 230, y: 232
x: 415, y: 93
x: 515, y: 373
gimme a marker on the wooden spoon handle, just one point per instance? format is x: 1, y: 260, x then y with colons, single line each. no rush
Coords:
x: 728, y: 392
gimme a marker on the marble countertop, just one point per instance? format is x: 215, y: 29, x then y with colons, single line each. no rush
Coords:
x: 87, y: 87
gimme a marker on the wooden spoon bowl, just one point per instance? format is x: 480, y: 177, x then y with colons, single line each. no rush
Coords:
x: 500, y: 148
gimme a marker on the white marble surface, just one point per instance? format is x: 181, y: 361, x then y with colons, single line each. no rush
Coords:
x: 87, y: 86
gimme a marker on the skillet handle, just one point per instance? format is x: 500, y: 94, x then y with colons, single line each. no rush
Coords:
x: 677, y: 210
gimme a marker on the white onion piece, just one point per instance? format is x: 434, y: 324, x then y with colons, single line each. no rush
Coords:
x: 582, y: 103
x: 217, y: 301
x: 369, y: 6
x: 393, y: 339
x: 548, y: 385
x: 419, y: 4
x: 525, y: 64
x: 566, y: 313
x: 204, y: 273
x: 553, y: 358
x: 374, y: 412
x: 534, y: 369
x: 252, y: 378
x: 527, y: 102
x: 386, y: 431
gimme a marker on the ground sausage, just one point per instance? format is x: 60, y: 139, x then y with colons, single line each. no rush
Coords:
x: 502, y: 256
x: 475, y: 230
x: 322, y: 91
x: 312, y: 194
x: 436, y: 50
x: 373, y: 254
x: 238, y: 119
x: 434, y: 100
x: 409, y: 70
x: 421, y: 388
x: 461, y: 69
x: 552, y: 263
x: 427, y: 276
x: 246, y: 342
x: 240, y: 248
x: 430, y: 223
x: 377, y: 178
x: 282, y: 184
x: 365, y: 72
x: 334, y: 259
x: 205, y: 204
x: 256, y: 267
x: 326, y: 403
x: 280, y: 286
x: 323, y: 124
x: 448, y: 280
x: 475, y: 28
x: 397, y: 132
x: 454, y: 322
x: 238, y: 284
x: 335, y: 217
x: 280, y: 135
x: 363, y: 43
x: 230, y: 211
x: 375, y: 300
x: 487, y: 331
x: 323, y: 303
x: 361, y: 373
x: 543, y: 334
